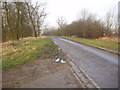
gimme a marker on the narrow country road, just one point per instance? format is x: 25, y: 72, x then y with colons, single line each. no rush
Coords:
x: 100, y: 65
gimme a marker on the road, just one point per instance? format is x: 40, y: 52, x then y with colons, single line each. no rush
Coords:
x: 100, y: 65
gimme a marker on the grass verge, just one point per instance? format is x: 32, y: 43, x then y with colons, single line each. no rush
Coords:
x: 18, y: 52
x: 112, y: 45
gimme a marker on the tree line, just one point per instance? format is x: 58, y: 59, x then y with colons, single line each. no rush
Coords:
x: 22, y: 19
x: 87, y: 26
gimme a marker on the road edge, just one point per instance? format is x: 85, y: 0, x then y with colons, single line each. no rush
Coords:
x: 108, y: 50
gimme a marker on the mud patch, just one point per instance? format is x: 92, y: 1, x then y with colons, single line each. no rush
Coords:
x: 41, y: 74
x: 36, y: 70
x: 17, y: 76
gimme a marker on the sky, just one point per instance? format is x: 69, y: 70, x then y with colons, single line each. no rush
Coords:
x: 70, y: 9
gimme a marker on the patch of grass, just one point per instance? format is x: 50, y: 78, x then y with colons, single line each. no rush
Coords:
x: 18, y: 52
x: 101, y: 43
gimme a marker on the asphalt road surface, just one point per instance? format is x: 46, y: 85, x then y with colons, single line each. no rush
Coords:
x: 100, y: 65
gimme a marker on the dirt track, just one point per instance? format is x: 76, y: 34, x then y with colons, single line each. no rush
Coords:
x: 40, y: 74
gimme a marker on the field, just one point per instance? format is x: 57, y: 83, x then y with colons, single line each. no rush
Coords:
x: 19, y: 52
x: 109, y: 43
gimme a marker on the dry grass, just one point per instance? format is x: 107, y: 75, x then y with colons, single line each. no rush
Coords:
x: 31, y: 48
x: 111, y: 39
x: 7, y: 44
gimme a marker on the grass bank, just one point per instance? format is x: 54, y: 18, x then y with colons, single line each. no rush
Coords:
x: 105, y: 43
x: 18, y: 52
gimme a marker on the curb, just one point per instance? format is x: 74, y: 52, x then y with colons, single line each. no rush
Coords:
x: 108, y: 50
x: 80, y: 74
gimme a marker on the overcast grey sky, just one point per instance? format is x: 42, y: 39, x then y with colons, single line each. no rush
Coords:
x: 71, y: 8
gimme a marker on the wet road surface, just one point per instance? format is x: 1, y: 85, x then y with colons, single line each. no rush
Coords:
x: 100, y: 65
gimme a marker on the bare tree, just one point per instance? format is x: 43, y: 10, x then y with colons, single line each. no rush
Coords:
x: 37, y: 17
x: 40, y: 17
x: 21, y: 19
x: 30, y: 12
x: 109, y: 23
x: 86, y: 27
x: 61, y: 22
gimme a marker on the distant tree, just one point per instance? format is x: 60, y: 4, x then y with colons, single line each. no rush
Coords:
x: 86, y: 26
x: 61, y: 22
x: 109, y: 23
